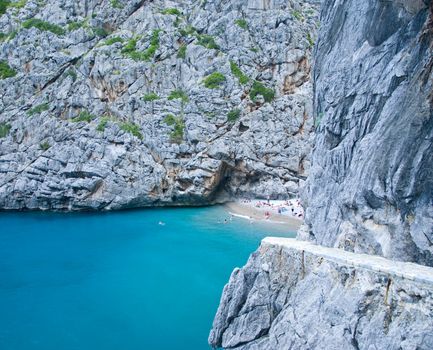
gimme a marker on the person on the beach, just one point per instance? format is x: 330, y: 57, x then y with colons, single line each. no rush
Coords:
x: 268, y: 198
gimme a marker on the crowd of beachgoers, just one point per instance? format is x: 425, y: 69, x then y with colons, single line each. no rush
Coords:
x: 288, y: 212
x: 270, y: 208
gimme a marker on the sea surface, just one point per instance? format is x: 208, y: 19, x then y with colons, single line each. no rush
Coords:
x: 118, y: 280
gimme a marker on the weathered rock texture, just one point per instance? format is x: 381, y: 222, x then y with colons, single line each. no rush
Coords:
x: 106, y: 66
x: 370, y: 187
x: 296, y: 295
x: 369, y: 191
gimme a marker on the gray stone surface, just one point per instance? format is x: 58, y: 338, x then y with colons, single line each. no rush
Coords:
x: 370, y: 187
x: 368, y: 194
x: 294, y: 295
x: 47, y: 161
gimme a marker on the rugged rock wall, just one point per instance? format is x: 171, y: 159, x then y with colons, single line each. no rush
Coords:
x: 369, y: 191
x: 103, y: 104
x: 371, y: 184
x: 295, y: 295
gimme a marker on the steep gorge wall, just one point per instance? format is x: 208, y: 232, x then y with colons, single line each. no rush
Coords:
x: 106, y: 106
x: 371, y: 184
x: 368, y: 194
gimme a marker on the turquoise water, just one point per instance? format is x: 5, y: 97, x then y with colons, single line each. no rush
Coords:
x: 117, y: 280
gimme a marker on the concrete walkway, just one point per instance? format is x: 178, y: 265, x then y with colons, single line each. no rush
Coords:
x: 405, y: 270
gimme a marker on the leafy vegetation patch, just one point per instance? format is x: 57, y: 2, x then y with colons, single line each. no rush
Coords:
x: 298, y: 15
x: 242, y: 23
x: 38, y: 109
x: 44, y: 146
x: 72, y: 73
x: 5, y: 4
x: 214, y: 80
x: 131, y: 128
x: 84, y: 116
x: 178, y: 95
x: 310, y: 40
x: 206, y: 41
x: 181, y: 53
x: 178, y: 127
x: 113, y: 40
x: 131, y: 51
x: 43, y: 26
x: 4, y: 129
x: 101, y: 32
x: 77, y: 25
x: 236, y: 71
x: 259, y: 89
x: 233, y: 115
x: 103, y: 122
x: 116, y: 4
x: 188, y: 30
x: 150, y: 97
x: 6, y: 71
x: 171, y: 11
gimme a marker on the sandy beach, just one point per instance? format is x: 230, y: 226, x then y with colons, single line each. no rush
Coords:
x: 272, y: 212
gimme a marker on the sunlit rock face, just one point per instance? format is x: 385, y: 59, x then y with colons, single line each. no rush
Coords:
x: 297, y: 295
x: 370, y: 185
x: 369, y: 190
x: 116, y: 104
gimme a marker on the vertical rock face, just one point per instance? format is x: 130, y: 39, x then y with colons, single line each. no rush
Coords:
x: 112, y: 104
x: 371, y: 183
x: 369, y: 191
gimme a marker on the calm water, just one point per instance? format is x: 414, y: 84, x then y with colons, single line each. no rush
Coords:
x: 117, y: 280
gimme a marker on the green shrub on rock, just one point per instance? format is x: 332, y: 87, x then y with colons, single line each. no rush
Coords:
x: 114, y: 39
x: 4, y: 129
x: 6, y: 71
x: 4, y: 4
x: 150, y: 97
x: 178, y: 95
x: 214, y: 80
x: 242, y: 23
x: 131, y: 51
x: 243, y: 79
x: 44, y: 146
x: 178, y: 124
x: 259, y: 89
x: 103, y: 123
x: 116, y: 4
x: 101, y: 32
x: 181, y: 53
x: 171, y: 11
x: 206, y: 41
x: 132, y: 128
x: 43, y: 26
x: 233, y: 115
x: 38, y: 109
x: 84, y: 116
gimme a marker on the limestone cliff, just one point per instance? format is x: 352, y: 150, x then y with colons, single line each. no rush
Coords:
x: 297, y: 295
x: 369, y: 191
x: 371, y: 183
x: 110, y: 104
